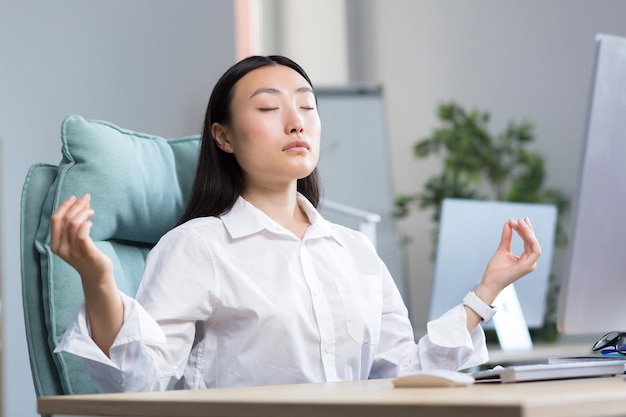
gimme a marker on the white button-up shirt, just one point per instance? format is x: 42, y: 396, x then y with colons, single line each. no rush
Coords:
x: 239, y: 300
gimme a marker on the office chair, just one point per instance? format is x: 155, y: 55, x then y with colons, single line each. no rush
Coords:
x: 139, y: 185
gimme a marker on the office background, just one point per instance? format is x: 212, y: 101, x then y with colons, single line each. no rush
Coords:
x: 149, y: 65
x: 520, y: 61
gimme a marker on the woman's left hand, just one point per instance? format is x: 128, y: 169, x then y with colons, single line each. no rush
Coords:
x: 504, y: 268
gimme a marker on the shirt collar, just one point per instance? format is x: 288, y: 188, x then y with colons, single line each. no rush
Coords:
x: 244, y: 219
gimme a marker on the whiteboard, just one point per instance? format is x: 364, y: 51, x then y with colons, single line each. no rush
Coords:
x: 355, y: 168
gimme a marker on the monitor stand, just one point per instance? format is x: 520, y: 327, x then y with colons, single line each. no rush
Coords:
x: 509, y: 322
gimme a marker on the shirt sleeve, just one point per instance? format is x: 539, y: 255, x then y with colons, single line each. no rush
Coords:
x: 129, y: 350
x: 447, y: 344
x: 151, y: 350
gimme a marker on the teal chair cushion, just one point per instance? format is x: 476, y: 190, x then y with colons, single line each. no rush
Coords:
x: 134, y: 178
x: 139, y: 186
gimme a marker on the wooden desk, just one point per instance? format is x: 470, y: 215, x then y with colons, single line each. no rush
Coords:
x: 375, y: 398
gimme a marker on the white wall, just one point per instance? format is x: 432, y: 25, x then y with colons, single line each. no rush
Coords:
x: 313, y: 33
x: 518, y: 60
x: 146, y: 65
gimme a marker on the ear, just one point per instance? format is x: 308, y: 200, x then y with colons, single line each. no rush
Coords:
x: 221, y: 137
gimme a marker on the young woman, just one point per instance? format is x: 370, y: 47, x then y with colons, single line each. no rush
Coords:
x: 254, y: 286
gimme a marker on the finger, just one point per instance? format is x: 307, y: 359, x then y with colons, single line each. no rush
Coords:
x: 527, y: 221
x: 80, y: 205
x: 526, y: 225
x: 535, y: 252
x: 507, y: 235
x: 56, y: 221
x: 526, y: 234
x: 69, y: 224
x: 531, y: 244
x: 83, y: 240
x: 532, y: 249
x: 74, y: 226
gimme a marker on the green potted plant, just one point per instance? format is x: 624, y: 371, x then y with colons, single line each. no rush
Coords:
x: 477, y: 164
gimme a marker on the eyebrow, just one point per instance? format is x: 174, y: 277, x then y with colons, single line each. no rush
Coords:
x: 272, y: 90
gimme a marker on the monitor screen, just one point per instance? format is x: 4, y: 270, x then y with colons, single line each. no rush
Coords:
x: 592, y: 298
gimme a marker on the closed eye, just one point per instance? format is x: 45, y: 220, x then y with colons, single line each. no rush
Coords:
x: 266, y: 109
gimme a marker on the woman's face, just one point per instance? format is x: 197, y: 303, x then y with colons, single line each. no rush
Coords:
x: 275, y: 129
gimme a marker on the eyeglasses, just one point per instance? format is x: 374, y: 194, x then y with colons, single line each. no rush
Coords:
x: 611, y: 342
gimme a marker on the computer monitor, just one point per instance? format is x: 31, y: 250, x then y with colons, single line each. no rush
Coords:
x: 592, y: 298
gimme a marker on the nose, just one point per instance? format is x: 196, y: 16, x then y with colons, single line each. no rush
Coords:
x: 294, y: 122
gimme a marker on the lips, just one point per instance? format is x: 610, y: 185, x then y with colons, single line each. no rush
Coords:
x: 297, y: 146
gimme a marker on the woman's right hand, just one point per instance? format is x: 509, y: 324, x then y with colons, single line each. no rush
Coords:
x: 70, y: 239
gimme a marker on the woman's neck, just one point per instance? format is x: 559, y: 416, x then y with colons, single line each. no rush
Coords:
x: 281, y: 206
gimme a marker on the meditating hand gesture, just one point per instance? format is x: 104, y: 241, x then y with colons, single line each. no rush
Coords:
x: 504, y: 267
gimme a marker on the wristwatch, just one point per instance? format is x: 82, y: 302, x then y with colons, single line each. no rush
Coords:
x: 485, y: 311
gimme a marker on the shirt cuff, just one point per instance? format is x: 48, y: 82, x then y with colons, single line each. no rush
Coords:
x: 138, y: 326
x: 449, y: 332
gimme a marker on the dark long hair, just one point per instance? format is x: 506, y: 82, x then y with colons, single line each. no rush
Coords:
x: 219, y: 178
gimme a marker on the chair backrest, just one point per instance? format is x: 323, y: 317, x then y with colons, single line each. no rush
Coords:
x: 139, y: 185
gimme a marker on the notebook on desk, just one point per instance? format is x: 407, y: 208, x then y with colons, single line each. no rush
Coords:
x: 551, y: 371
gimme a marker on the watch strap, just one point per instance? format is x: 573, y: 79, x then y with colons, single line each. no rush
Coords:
x: 484, y: 310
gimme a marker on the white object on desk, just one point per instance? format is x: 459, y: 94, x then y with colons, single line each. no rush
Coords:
x: 434, y: 378
x: 550, y: 371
